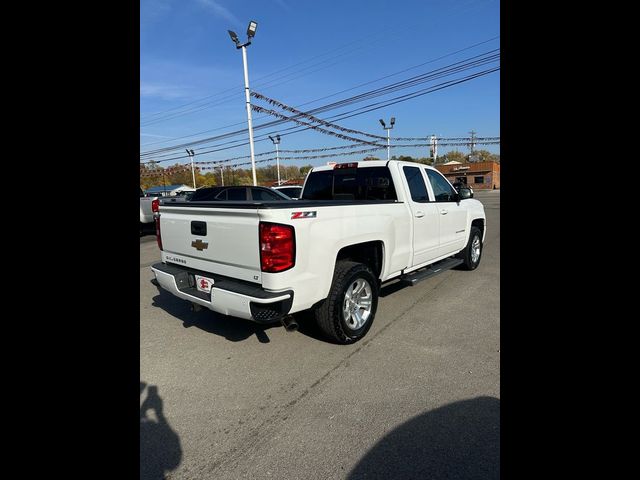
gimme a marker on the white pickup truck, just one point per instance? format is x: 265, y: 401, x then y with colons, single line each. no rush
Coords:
x: 356, y: 226
x: 146, y: 209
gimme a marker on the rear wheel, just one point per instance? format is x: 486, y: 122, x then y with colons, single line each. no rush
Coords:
x: 347, y: 313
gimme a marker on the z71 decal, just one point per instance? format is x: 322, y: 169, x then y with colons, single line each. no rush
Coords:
x: 303, y: 215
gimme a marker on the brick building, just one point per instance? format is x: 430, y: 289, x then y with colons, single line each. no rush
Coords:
x: 480, y: 175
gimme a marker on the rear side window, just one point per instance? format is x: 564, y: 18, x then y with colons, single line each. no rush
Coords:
x: 368, y: 183
x: 259, y: 194
x: 236, y: 194
x: 416, y: 184
x: 441, y: 188
x: 205, y: 194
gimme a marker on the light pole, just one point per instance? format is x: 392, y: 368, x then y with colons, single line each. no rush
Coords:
x: 388, y: 129
x: 193, y: 173
x: 251, y: 32
x: 276, y: 142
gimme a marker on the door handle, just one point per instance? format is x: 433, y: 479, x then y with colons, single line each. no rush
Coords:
x: 419, y: 214
x: 444, y: 211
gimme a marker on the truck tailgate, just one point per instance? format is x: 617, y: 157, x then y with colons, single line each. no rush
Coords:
x: 218, y: 240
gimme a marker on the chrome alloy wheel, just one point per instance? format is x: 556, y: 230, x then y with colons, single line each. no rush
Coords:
x: 356, y: 309
x: 475, y: 249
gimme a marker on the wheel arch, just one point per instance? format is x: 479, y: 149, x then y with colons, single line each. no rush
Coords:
x: 369, y: 253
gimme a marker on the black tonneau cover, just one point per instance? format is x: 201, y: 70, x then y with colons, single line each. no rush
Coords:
x: 275, y: 203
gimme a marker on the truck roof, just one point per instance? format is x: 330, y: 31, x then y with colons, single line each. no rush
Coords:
x: 370, y: 163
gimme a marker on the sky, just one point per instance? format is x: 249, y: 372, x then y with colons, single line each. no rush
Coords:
x: 306, y: 54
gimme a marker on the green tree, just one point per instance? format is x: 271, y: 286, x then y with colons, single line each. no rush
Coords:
x: 305, y: 169
x: 487, y: 156
x: 454, y: 156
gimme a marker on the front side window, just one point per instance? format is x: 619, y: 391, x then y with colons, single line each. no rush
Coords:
x: 442, y: 189
x: 416, y: 184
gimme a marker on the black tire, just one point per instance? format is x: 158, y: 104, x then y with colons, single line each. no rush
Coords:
x: 465, y: 255
x: 328, y: 314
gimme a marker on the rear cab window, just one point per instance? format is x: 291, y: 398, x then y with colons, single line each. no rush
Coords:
x: 365, y: 183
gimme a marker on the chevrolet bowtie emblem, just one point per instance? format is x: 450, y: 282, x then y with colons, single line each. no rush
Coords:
x: 199, y: 244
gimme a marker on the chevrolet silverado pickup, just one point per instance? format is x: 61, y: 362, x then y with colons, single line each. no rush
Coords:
x: 356, y: 226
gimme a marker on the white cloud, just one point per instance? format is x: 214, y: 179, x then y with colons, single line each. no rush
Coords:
x: 283, y: 5
x: 220, y: 11
x: 153, y: 135
x: 164, y: 91
x: 152, y: 10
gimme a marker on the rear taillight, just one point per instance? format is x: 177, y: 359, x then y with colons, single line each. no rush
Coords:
x: 277, y: 247
x: 155, y: 208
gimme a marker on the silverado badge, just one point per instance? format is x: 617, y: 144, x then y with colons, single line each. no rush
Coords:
x: 199, y: 245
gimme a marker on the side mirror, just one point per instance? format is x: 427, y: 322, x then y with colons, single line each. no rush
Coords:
x: 465, y: 193
x: 456, y: 197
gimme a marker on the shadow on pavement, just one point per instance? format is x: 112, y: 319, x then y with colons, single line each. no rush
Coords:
x: 391, y: 288
x: 232, y: 328
x: 147, y: 229
x: 458, y: 441
x: 160, y: 450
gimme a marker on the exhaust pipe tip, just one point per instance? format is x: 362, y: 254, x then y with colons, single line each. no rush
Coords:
x: 289, y: 323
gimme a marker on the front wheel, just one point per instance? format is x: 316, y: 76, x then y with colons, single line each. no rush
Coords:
x: 347, y: 313
x: 473, y: 251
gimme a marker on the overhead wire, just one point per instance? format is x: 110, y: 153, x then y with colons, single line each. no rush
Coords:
x: 456, y: 67
x: 342, y: 91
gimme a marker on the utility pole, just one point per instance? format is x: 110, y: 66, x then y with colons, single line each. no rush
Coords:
x: 388, y: 129
x: 193, y: 172
x: 472, y: 145
x: 164, y: 184
x: 222, y: 174
x: 434, y: 148
x: 276, y: 142
x: 251, y: 31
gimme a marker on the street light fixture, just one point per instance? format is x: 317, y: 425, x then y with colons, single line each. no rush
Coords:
x: 276, y: 142
x: 251, y: 29
x: 235, y: 38
x: 388, y: 129
x: 251, y: 32
x: 191, y: 154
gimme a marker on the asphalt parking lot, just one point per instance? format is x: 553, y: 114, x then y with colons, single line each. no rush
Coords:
x: 418, y: 397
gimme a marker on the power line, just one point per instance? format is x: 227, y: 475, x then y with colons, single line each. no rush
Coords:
x: 342, y: 91
x: 185, y: 167
x: 456, y: 67
x: 370, y: 107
